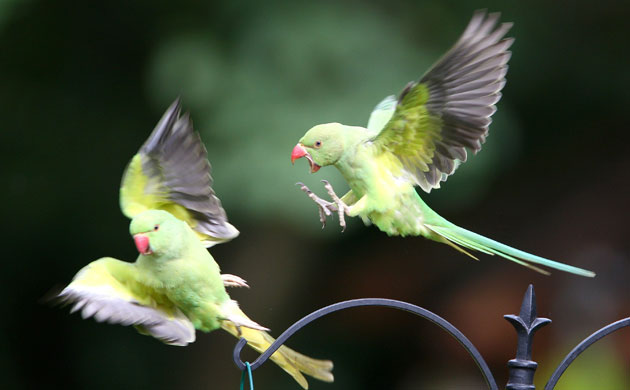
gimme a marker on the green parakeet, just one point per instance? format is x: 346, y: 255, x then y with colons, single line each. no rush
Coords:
x: 171, y: 172
x: 419, y: 139
x: 175, y: 285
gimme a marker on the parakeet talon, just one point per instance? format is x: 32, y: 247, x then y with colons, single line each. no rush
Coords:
x: 230, y: 280
x: 324, y: 207
x: 304, y: 188
x: 322, y: 218
x: 339, y: 204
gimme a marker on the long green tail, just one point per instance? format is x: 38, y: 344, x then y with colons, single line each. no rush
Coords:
x: 467, y: 239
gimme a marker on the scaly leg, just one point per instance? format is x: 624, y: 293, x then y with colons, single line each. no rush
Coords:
x: 342, y: 208
x: 325, y: 208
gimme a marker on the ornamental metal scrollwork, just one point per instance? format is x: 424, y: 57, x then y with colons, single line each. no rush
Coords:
x: 521, y: 368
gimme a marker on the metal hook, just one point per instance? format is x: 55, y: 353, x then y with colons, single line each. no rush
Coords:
x: 424, y: 313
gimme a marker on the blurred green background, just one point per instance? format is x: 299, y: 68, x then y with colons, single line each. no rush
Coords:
x: 83, y: 83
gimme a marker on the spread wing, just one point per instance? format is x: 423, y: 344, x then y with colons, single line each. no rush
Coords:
x: 382, y: 114
x: 171, y: 172
x: 107, y: 289
x: 450, y: 108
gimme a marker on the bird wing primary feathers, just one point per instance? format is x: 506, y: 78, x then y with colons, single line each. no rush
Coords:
x: 171, y: 172
x: 107, y: 290
x: 450, y: 108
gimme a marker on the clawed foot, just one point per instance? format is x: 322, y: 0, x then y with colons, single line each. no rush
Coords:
x: 230, y: 280
x: 327, y: 208
x: 342, y: 208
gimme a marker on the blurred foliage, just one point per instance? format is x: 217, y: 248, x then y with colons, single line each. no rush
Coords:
x: 82, y: 83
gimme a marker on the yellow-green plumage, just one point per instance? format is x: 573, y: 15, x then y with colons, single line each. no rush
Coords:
x: 419, y: 140
x: 173, y: 291
x: 175, y: 287
x: 171, y: 172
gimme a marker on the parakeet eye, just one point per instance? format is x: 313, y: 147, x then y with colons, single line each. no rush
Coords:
x: 156, y: 228
x: 318, y: 144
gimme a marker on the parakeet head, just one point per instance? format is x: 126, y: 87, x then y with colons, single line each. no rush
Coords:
x: 156, y: 232
x: 322, y: 145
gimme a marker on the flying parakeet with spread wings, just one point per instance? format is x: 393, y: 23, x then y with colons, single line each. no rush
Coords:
x: 419, y: 139
x: 175, y: 286
x: 171, y: 172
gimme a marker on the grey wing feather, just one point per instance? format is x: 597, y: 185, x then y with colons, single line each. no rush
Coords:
x: 464, y: 87
x: 175, y: 152
x: 173, y: 330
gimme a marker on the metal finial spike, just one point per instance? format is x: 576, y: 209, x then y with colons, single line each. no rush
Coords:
x: 522, y: 368
x: 527, y: 322
x: 528, y: 307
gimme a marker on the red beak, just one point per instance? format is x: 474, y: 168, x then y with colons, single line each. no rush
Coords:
x: 298, y: 152
x: 142, y: 244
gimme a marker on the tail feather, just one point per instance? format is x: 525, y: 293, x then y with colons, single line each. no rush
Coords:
x: 453, y: 240
x: 459, y: 248
x: 294, y: 363
x: 460, y: 236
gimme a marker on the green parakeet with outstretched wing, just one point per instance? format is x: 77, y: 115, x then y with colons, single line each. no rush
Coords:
x: 175, y: 287
x: 420, y: 139
x: 171, y: 172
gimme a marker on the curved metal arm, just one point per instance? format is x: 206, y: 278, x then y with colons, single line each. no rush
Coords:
x: 587, y: 342
x: 417, y: 310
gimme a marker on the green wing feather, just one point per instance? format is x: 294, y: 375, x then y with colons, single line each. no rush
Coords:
x: 382, y: 114
x: 171, y: 172
x: 450, y: 108
x: 107, y: 289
